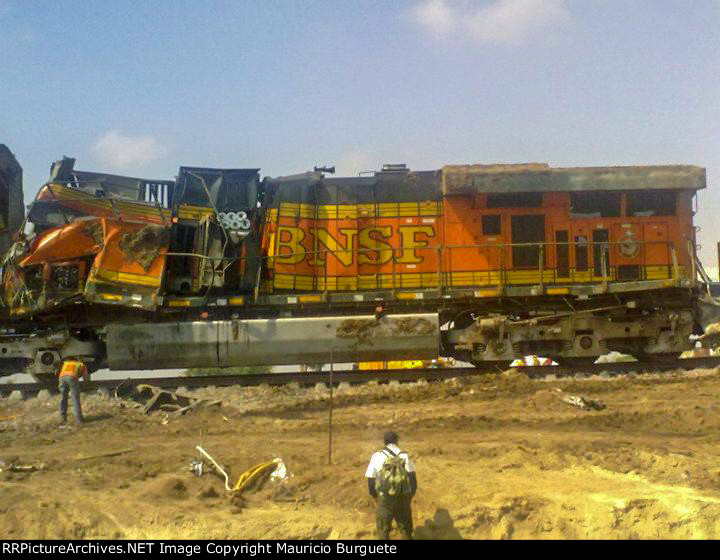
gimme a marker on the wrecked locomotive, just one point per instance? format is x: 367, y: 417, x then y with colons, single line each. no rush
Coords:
x: 482, y: 263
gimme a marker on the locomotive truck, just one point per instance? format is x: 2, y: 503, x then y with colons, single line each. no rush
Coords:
x: 480, y: 263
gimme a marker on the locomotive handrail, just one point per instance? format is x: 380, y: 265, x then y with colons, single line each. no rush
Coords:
x: 698, y: 267
x: 607, y: 271
x: 409, y: 248
x: 415, y: 248
x: 495, y: 276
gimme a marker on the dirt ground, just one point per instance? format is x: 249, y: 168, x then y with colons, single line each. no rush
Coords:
x: 499, y: 457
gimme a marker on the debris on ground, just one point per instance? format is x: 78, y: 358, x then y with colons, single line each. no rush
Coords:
x: 197, y: 467
x: 615, y: 358
x: 83, y: 457
x: 253, y: 478
x: 583, y: 403
x: 153, y: 398
x: 14, y: 465
x: 280, y: 472
x: 514, y: 374
x: 218, y: 467
x: 532, y: 361
x: 256, y: 477
x: 699, y: 353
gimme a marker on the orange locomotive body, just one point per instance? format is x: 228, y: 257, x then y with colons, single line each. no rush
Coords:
x: 480, y: 263
x: 481, y: 240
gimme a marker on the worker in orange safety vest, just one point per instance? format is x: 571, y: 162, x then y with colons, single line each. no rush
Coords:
x: 69, y: 376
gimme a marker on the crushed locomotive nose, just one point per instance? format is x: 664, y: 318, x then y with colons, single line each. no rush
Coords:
x: 220, y: 267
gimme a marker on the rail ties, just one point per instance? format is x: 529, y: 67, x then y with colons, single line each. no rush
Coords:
x: 106, y: 386
x: 619, y: 368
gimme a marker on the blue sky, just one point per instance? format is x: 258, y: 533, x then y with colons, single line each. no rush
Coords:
x: 144, y: 87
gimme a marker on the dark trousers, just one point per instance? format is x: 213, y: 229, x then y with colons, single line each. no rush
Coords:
x: 397, y: 508
x: 70, y: 384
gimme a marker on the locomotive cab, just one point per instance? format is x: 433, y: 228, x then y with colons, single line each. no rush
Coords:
x: 214, y: 243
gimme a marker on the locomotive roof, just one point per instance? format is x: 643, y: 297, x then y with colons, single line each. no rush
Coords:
x: 540, y: 177
x: 405, y: 185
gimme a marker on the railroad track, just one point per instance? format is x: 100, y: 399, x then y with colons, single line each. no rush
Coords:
x: 358, y: 377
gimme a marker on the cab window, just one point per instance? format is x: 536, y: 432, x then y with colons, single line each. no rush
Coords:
x: 651, y: 203
x: 595, y: 205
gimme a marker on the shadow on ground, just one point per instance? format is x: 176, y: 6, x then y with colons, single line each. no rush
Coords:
x: 440, y: 527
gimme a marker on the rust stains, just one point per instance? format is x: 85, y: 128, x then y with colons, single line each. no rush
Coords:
x: 361, y: 329
x: 144, y: 246
x: 95, y: 231
x: 365, y: 329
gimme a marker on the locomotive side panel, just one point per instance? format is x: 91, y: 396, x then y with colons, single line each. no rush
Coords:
x: 349, y: 235
x: 326, y: 236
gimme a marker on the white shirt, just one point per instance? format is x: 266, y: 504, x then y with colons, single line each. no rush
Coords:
x: 379, y: 457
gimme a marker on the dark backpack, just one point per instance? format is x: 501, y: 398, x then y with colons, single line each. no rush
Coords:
x: 393, y: 479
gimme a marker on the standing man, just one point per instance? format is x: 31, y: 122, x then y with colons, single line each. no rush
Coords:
x: 392, y: 482
x: 69, y: 382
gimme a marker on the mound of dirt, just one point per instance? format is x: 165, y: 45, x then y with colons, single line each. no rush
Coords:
x: 499, y: 457
x: 173, y: 489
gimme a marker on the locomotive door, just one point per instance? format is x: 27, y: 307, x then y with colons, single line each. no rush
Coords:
x: 658, y: 262
x: 527, y: 235
x: 490, y: 239
x: 374, y: 257
x: 562, y: 255
x: 628, y: 252
x: 601, y: 254
x: 463, y: 260
x: 580, y: 270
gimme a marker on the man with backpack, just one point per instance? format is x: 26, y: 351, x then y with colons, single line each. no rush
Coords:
x: 392, y: 482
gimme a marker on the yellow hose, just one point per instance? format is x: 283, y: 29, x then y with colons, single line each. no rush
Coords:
x: 253, y: 473
x: 245, y: 478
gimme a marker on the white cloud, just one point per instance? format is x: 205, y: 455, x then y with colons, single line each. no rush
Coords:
x: 510, y: 21
x: 127, y: 152
x: 504, y: 22
x: 436, y: 15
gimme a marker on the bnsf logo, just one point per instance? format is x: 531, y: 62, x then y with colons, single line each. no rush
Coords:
x: 294, y: 245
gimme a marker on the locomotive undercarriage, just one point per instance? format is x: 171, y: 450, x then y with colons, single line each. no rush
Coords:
x: 482, y: 332
x: 575, y: 336
x: 646, y: 327
x: 39, y: 354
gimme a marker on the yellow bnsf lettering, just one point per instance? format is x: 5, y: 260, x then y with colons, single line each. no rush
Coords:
x: 368, y: 241
x: 374, y: 243
x: 410, y: 242
x: 290, y: 238
x: 344, y: 254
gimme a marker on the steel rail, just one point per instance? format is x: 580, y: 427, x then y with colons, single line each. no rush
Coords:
x: 366, y: 376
